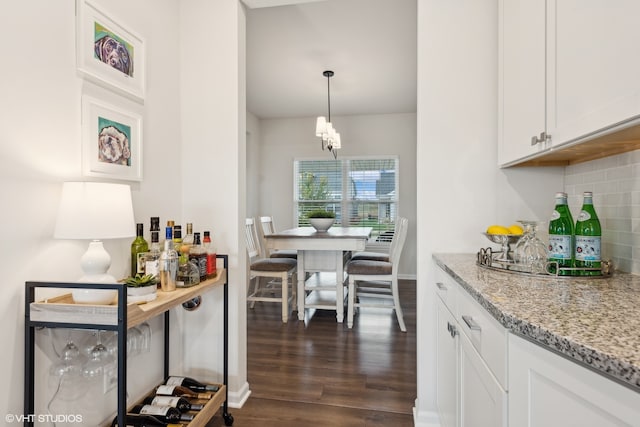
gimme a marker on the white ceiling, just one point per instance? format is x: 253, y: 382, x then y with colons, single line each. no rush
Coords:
x: 369, y: 44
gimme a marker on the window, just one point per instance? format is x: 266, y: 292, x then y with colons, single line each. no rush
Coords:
x: 362, y: 192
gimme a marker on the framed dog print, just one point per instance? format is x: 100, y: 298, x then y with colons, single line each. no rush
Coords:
x: 108, y: 53
x: 111, y: 141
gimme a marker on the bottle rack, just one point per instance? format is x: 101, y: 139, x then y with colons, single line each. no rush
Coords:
x: 495, y: 260
x: 60, y: 312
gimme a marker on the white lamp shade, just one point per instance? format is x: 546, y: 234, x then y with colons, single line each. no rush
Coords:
x: 336, y: 142
x: 95, y: 210
x: 321, y: 126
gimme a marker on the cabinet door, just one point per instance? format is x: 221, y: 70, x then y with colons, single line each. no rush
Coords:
x: 593, y: 66
x: 521, y: 78
x: 447, y: 367
x: 547, y: 390
x: 483, y: 402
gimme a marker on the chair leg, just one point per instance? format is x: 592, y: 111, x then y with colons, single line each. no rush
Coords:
x: 351, y: 303
x: 396, y: 304
x: 256, y: 281
x: 285, y: 298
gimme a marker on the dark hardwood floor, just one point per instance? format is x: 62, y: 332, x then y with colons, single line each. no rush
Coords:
x: 319, y: 372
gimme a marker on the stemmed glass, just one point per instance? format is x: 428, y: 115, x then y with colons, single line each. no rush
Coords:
x: 65, y: 374
x: 530, y: 251
x: 99, y: 358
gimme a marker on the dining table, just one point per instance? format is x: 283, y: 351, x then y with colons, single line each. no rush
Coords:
x: 320, y: 252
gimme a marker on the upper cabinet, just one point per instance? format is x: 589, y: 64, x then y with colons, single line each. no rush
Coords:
x: 569, y: 86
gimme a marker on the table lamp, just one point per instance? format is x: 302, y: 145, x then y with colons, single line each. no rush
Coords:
x: 95, y: 211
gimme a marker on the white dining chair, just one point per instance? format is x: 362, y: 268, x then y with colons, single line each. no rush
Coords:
x: 282, y: 291
x: 375, y: 283
x: 387, y: 236
x: 267, y: 227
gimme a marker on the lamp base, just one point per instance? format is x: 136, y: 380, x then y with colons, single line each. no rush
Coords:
x: 95, y: 263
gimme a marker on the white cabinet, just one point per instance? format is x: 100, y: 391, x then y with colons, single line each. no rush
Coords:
x: 521, y: 105
x: 568, y: 72
x: 447, y: 367
x: 547, y: 390
x: 468, y: 392
x: 483, y: 402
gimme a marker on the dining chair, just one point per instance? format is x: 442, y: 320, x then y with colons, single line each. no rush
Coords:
x: 375, y: 283
x: 283, y: 269
x: 267, y: 228
x: 386, y: 236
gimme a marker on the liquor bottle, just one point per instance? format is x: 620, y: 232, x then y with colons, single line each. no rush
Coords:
x: 191, y: 384
x: 188, y: 238
x: 151, y: 259
x: 138, y: 247
x: 177, y: 237
x: 198, y: 255
x: 180, y: 403
x: 136, y: 420
x: 168, y: 414
x: 155, y: 223
x: 210, y: 250
x: 588, y: 238
x: 168, y: 264
x: 561, y: 236
x: 177, y: 390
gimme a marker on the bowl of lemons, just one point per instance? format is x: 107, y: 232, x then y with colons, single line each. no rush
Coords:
x: 504, y: 236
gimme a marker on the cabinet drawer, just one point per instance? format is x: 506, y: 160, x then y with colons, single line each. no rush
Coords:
x: 487, y: 336
x: 447, y: 290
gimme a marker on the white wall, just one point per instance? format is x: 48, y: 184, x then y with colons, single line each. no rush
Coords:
x: 283, y: 140
x: 460, y: 189
x: 40, y: 119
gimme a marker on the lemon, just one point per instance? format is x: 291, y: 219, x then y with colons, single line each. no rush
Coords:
x: 497, y: 229
x: 515, y: 229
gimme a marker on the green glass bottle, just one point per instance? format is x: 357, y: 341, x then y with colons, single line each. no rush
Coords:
x: 588, y: 238
x: 561, y: 236
x: 139, y: 246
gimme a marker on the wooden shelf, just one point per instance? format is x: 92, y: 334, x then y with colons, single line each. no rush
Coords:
x: 62, y: 309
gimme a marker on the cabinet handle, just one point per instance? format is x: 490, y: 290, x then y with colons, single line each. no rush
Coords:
x: 453, y: 331
x: 441, y: 286
x: 544, y: 137
x: 472, y: 324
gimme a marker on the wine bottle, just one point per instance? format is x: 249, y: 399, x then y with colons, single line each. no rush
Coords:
x: 168, y: 414
x: 561, y: 236
x: 168, y: 264
x: 139, y: 246
x: 178, y: 402
x: 176, y: 390
x: 198, y: 255
x: 136, y: 420
x: 191, y: 384
x: 151, y: 259
x: 588, y: 238
x: 210, y: 250
x: 155, y: 223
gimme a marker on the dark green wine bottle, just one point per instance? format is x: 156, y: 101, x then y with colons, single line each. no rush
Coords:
x: 561, y: 236
x: 588, y: 238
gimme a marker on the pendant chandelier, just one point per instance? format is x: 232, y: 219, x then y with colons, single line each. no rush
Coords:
x: 324, y: 129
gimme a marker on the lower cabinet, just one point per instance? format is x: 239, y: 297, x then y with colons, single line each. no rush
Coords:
x: 483, y: 402
x: 447, y: 367
x: 468, y: 393
x: 547, y: 390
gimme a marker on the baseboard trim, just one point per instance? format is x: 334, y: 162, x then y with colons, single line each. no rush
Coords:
x: 407, y: 276
x: 425, y: 418
x: 237, y: 399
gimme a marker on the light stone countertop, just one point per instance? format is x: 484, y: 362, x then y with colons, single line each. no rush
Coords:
x: 594, y: 322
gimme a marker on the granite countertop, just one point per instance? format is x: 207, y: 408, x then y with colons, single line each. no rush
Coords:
x: 595, y: 322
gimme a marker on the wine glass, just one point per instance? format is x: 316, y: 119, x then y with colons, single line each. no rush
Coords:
x: 99, y: 358
x: 530, y: 251
x: 65, y: 374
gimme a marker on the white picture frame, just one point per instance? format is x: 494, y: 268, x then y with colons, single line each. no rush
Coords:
x: 108, y: 53
x: 111, y: 141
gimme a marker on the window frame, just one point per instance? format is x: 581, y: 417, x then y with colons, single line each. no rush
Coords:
x: 345, y: 202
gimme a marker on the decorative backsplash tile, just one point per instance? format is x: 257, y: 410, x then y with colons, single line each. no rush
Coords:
x: 615, y: 182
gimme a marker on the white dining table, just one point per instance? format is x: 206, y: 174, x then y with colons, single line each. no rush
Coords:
x: 320, y: 252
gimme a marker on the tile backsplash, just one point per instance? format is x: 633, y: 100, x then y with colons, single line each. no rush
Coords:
x: 615, y: 182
